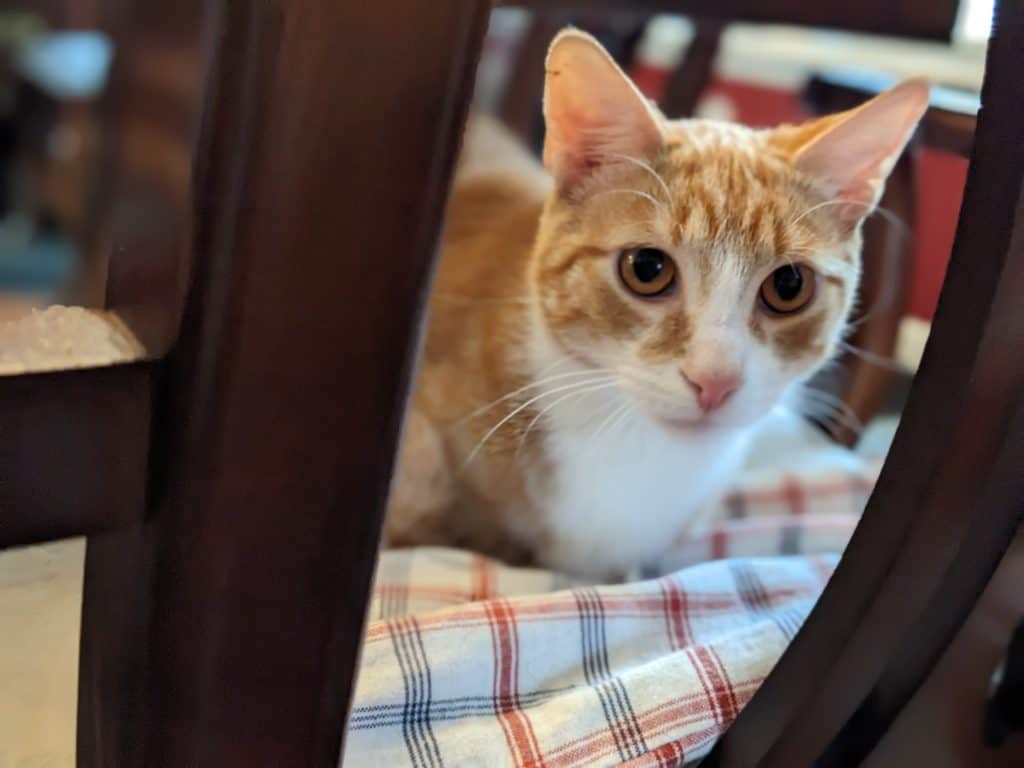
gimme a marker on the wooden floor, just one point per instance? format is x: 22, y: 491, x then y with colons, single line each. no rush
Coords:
x: 40, y: 596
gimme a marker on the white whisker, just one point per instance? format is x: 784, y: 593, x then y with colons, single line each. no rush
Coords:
x: 540, y: 414
x: 644, y: 166
x: 885, y: 363
x: 532, y: 385
x: 889, y: 216
x: 837, y: 408
x: 524, y: 406
x: 607, y: 420
x: 650, y: 198
x: 614, y: 420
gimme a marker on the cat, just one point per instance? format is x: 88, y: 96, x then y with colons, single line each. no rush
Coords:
x: 607, y: 331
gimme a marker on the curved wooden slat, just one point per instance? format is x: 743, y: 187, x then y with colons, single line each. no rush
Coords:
x: 949, y: 495
x: 907, y: 18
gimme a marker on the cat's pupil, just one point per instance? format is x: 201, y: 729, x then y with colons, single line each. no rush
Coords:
x: 788, y: 283
x: 648, y: 264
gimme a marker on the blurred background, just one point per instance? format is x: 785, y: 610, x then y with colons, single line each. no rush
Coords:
x: 100, y: 101
x: 99, y: 104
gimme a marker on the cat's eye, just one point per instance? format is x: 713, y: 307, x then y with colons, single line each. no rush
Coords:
x: 788, y: 289
x: 647, y: 272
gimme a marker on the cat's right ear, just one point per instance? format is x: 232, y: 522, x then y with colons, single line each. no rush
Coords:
x: 594, y: 115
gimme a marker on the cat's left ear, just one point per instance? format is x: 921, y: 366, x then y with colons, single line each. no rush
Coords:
x: 851, y: 154
x: 594, y: 114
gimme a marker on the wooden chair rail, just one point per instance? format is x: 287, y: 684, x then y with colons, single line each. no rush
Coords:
x: 73, y: 452
x: 930, y: 19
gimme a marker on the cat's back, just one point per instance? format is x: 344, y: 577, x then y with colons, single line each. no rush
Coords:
x: 491, y: 222
x: 479, y: 293
x: 498, y: 192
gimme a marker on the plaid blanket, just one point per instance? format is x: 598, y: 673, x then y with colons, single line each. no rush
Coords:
x: 468, y: 662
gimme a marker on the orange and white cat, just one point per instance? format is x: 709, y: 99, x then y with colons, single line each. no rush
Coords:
x: 605, y: 337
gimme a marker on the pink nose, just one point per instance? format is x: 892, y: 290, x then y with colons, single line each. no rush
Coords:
x: 712, y: 388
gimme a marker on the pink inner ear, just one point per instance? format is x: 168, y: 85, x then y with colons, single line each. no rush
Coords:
x: 592, y: 111
x: 853, y: 159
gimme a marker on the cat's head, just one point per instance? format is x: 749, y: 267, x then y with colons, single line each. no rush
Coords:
x: 708, y: 265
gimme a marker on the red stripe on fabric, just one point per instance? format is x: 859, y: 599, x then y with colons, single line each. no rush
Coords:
x: 683, y: 746
x: 778, y: 493
x: 481, y: 578
x: 560, y: 609
x: 658, y: 721
x: 382, y: 630
x: 676, y: 614
x: 714, y: 705
x: 600, y: 741
x: 724, y: 692
x: 496, y: 676
x: 757, y: 527
x: 667, y: 755
x: 719, y: 544
x: 507, y: 663
x: 519, y: 704
x: 795, y: 496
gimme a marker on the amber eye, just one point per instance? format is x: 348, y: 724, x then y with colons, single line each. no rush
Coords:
x: 647, y: 272
x: 788, y: 289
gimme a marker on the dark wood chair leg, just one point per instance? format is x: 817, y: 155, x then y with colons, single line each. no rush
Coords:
x: 325, y: 158
x: 947, y: 503
x: 113, y: 712
x: 691, y: 77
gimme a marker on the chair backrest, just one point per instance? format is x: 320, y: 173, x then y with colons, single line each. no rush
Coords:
x: 233, y: 487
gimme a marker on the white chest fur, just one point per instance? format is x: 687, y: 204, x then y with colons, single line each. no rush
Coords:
x: 618, y: 499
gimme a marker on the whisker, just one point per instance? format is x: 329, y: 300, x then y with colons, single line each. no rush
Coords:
x: 889, y: 216
x: 886, y: 363
x: 644, y: 166
x: 607, y: 420
x: 827, y: 397
x: 835, y: 408
x: 618, y: 417
x: 822, y: 413
x: 491, y: 432
x: 540, y: 414
x: 552, y: 366
x: 532, y: 385
x: 650, y: 198
x: 838, y: 407
x: 621, y: 419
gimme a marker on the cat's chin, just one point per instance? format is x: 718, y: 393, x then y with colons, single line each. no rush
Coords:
x: 695, y: 425
x: 702, y: 423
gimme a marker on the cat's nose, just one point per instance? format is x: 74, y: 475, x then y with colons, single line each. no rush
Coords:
x: 712, y: 388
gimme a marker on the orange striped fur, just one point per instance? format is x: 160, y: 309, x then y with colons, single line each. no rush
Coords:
x: 534, y: 342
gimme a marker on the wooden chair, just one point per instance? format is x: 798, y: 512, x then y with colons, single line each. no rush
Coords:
x: 232, y: 483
